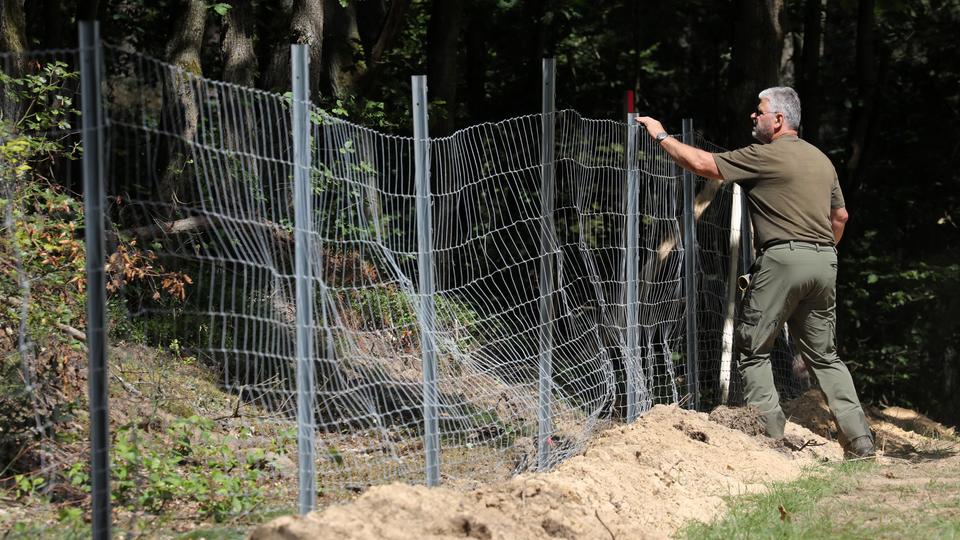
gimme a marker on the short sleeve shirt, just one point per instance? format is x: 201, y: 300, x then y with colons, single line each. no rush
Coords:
x: 791, y: 187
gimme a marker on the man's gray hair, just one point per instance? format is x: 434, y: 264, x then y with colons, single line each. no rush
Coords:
x: 784, y: 100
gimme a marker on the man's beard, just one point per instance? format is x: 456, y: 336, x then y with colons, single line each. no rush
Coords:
x: 761, y: 134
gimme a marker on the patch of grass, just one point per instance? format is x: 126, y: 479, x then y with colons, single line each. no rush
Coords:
x: 848, y: 501
x: 781, y: 511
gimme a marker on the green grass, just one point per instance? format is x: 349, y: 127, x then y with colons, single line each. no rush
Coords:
x: 759, y: 515
x: 852, y: 500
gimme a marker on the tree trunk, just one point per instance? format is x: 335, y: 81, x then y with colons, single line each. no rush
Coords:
x: 443, y: 34
x: 371, y: 14
x: 13, y: 39
x: 475, y: 70
x: 307, y: 28
x: 181, y: 108
x: 388, y: 28
x: 867, y: 92
x: 239, y: 67
x: 13, y: 26
x: 342, y: 41
x: 809, y: 87
x: 754, y: 64
x: 87, y: 10
x: 302, y: 22
x: 48, y: 24
x: 236, y: 47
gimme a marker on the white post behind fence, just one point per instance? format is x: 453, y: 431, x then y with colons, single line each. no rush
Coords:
x: 303, y: 226
x: 421, y: 160
x: 726, y: 356
x: 547, y: 249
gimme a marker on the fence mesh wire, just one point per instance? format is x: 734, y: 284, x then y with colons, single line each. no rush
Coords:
x: 203, y: 307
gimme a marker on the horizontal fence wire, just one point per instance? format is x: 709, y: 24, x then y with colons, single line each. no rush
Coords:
x: 202, y: 304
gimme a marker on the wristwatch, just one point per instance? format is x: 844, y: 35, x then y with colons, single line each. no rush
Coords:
x: 661, y: 136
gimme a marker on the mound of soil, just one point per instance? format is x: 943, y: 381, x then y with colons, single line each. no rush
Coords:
x: 745, y: 419
x: 899, y: 432
x: 643, y: 480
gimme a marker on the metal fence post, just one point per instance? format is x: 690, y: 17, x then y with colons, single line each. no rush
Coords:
x: 299, y: 61
x: 421, y: 161
x: 630, y: 285
x: 690, y: 272
x: 547, y: 248
x: 94, y: 201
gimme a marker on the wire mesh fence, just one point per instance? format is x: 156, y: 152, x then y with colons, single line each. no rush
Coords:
x: 210, y: 267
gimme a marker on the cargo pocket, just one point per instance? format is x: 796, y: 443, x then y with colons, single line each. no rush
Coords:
x: 746, y: 336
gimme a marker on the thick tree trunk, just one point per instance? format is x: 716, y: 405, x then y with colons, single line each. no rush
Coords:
x: 239, y: 67
x: 388, y: 28
x: 49, y: 24
x: 809, y: 87
x: 307, y: 28
x: 13, y: 26
x: 13, y: 38
x: 302, y: 22
x: 867, y: 93
x: 475, y: 70
x: 443, y: 35
x: 236, y: 47
x: 754, y: 64
x: 341, y: 43
x: 371, y: 15
x: 181, y: 108
x: 87, y: 10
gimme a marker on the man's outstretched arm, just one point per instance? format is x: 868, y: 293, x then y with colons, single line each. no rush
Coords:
x: 698, y: 161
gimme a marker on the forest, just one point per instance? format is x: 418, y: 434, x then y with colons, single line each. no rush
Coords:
x: 879, y: 81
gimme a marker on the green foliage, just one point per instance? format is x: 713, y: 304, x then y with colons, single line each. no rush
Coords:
x: 186, y: 463
x: 220, y: 8
x: 39, y: 234
x: 41, y: 260
x: 391, y: 308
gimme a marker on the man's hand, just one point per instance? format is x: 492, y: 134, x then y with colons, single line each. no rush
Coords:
x: 693, y: 159
x: 654, y: 127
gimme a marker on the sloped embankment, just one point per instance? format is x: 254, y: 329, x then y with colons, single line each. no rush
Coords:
x: 638, y: 481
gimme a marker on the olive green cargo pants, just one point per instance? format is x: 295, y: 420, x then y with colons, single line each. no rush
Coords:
x: 796, y: 283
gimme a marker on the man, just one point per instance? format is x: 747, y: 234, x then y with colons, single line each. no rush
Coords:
x: 798, y: 216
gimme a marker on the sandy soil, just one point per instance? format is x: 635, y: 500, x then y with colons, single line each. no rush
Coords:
x: 900, y: 433
x: 638, y: 481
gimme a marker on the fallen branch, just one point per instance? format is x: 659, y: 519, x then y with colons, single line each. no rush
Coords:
x: 159, y: 229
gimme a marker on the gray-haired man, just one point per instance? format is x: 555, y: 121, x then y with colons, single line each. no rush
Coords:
x: 798, y: 216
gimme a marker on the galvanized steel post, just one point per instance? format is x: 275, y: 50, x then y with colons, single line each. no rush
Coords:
x: 303, y: 227
x: 547, y: 249
x: 421, y: 160
x: 690, y: 272
x: 94, y: 201
x: 631, y: 255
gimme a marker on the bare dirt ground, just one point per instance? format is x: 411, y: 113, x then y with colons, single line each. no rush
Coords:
x: 638, y: 481
x: 647, y: 479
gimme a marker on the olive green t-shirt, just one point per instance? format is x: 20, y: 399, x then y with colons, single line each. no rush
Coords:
x: 791, y: 187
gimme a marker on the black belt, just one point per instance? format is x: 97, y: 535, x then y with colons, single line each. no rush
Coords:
x: 799, y: 244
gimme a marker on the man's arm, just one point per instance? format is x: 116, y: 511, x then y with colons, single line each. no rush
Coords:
x: 838, y: 220
x: 700, y: 162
